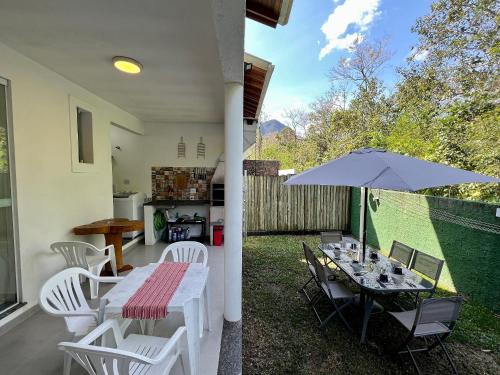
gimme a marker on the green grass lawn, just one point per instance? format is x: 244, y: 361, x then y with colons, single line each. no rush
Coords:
x: 280, y: 333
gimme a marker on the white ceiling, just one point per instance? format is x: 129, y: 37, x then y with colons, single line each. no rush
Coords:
x: 173, y: 39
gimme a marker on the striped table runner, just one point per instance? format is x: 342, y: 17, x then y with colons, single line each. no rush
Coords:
x: 150, y: 301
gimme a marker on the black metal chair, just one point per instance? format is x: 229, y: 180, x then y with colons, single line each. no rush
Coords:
x: 335, y: 292
x: 434, y: 318
x: 402, y: 253
x: 428, y: 266
x: 331, y: 237
x: 310, y: 258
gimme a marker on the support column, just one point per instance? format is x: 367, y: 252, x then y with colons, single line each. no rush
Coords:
x: 362, y: 223
x: 233, y: 197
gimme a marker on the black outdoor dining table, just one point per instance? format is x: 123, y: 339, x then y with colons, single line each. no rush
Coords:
x: 368, y: 283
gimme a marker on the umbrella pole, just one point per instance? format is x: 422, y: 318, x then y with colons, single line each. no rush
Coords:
x: 362, y: 222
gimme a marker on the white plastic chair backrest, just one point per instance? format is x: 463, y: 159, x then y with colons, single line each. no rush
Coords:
x: 443, y: 310
x: 62, y: 294
x: 186, y: 251
x: 74, y: 252
x: 106, y: 361
x: 99, y: 360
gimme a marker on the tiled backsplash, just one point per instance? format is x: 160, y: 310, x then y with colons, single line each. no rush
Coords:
x: 177, y: 182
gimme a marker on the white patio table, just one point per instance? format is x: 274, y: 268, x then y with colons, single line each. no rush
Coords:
x: 186, y: 300
x: 367, y: 279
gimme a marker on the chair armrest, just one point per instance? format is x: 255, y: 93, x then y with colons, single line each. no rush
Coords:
x: 106, y: 351
x: 110, y: 279
x: 111, y: 249
x: 180, y: 334
x: 92, y: 312
x: 94, y: 337
x: 106, y: 279
x: 112, y: 324
x: 102, y: 329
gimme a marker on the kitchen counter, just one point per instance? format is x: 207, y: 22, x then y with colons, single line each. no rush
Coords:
x: 180, y: 206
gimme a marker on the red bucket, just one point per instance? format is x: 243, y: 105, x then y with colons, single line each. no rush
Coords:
x: 218, y: 229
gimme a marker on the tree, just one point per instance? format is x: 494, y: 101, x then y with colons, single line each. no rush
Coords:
x: 462, y: 40
x: 257, y: 148
x: 363, y: 65
x: 460, y: 85
x: 296, y: 119
x: 445, y: 107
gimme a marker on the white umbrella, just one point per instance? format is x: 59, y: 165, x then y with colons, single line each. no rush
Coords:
x: 380, y: 169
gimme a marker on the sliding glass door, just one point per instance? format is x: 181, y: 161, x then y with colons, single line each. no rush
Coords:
x: 8, y: 278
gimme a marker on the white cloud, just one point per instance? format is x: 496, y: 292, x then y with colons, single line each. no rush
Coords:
x: 421, y: 55
x: 358, y: 13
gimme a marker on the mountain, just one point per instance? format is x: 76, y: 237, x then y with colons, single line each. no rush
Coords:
x: 271, y: 127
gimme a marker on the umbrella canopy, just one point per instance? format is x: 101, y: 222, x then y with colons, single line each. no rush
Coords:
x: 380, y: 169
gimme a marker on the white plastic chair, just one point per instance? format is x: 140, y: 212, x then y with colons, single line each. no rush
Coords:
x: 62, y: 296
x: 189, y: 252
x: 134, y: 355
x: 86, y: 256
x: 186, y: 251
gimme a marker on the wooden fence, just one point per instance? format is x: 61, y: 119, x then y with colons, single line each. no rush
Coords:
x: 271, y: 206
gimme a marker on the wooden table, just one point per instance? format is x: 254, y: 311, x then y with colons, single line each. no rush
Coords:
x: 113, y: 230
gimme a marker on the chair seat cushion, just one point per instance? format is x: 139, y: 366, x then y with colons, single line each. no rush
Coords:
x: 148, y: 346
x: 338, y: 290
x: 407, y: 318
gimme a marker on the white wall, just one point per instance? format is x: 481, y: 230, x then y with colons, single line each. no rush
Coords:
x: 51, y: 198
x: 158, y: 148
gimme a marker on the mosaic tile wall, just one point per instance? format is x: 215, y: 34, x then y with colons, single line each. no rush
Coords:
x: 177, y: 182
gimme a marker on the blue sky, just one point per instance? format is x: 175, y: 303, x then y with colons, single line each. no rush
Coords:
x: 318, y: 34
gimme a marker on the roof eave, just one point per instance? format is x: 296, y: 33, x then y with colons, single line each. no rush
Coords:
x: 269, y: 68
x: 286, y: 8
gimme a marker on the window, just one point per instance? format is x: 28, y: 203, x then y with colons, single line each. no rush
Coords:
x: 82, y: 121
x: 85, y: 138
x: 10, y: 292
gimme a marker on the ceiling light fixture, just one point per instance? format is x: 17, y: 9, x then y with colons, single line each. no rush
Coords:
x: 127, y: 65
